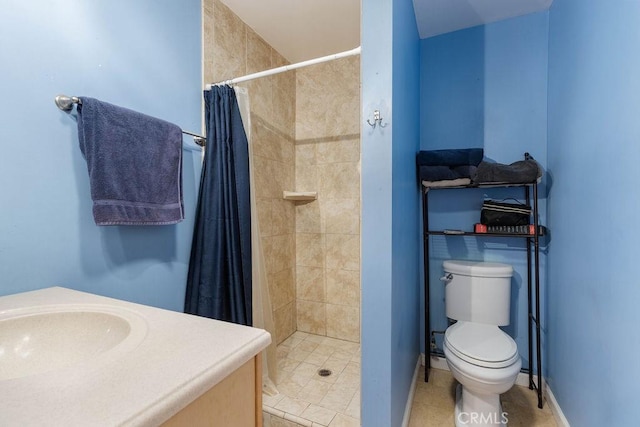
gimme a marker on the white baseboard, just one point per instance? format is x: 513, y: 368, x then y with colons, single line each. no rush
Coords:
x: 414, y: 381
x: 522, y: 380
x: 561, y: 420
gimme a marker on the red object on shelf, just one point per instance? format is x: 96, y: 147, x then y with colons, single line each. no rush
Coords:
x: 480, y: 228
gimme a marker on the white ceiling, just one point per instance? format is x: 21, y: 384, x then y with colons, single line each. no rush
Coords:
x: 302, y: 29
x: 306, y: 29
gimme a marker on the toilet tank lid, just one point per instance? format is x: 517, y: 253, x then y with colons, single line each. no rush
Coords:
x: 478, y: 269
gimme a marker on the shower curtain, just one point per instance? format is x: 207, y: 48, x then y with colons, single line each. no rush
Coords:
x: 219, y: 279
x: 236, y: 122
x: 262, y: 314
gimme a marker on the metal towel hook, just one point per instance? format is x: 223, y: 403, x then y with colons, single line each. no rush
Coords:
x: 377, y: 119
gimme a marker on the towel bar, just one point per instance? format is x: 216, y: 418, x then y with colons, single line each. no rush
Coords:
x: 65, y: 103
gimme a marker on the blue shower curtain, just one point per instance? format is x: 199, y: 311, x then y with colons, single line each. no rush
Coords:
x: 219, y: 279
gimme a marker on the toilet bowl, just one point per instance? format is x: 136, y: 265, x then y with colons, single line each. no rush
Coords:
x: 486, y: 363
x: 481, y: 357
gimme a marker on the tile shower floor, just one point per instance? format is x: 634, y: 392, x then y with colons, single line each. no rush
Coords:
x: 308, y: 399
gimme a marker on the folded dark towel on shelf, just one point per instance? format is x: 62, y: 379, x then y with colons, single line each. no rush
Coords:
x: 440, y: 173
x: 460, y: 182
x: 134, y: 163
x: 523, y: 171
x: 452, y: 157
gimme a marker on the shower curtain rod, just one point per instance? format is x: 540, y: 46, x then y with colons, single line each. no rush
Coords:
x: 284, y: 68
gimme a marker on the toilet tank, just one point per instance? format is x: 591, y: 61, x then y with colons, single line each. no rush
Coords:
x: 478, y: 291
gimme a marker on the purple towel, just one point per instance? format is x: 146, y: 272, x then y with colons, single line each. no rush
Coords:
x: 134, y: 163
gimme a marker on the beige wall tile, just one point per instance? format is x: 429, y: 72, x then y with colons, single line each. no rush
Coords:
x: 338, y: 150
x: 283, y: 216
x: 279, y: 252
x: 264, y: 206
x: 310, y: 282
x: 284, y: 322
x: 343, y: 251
x: 307, y: 178
x: 260, y: 98
x: 305, y: 154
x: 269, y: 142
x: 308, y: 217
x: 339, y: 180
x: 282, y: 285
x: 285, y: 178
x: 311, y: 317
x: 229, y: 59
x: 328, y: 99
x: 258, y: 53
x: 277, y: 59
x: 343, y: 287
x: 263, y: 140
x: 327, y: 161
x: 343, y: 322
x: 306, y: 169
x: 265, y: 185
x: 269, y: 246
x: 284, y: 105
x: 286, y: 150
x: 208, y: 42
x: 341, y: 216
x: 310, y: 249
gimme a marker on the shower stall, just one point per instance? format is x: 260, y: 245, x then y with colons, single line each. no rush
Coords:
x: 305, y: 137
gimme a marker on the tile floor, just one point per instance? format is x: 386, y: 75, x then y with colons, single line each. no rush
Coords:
x: 307, y: 399
x: 433, y: 404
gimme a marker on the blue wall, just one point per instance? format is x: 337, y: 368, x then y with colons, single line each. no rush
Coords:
x: 485, y: 87
x: 376, y: 219
x: 143, y: 55
x: 390, y: 236
x: 594, y: 134
x: 406, y: 238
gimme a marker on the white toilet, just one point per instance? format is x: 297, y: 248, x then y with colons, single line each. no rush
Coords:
x: 481, y: 357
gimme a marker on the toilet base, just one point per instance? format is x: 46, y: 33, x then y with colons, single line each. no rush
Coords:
x: 478, y: 411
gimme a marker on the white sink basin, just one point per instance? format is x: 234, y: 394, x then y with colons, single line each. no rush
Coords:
x: 43, y: 339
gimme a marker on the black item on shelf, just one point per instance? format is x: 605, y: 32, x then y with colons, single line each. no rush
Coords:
x: 523, y: 171
x: 517, y: 229
x: 501, y: 213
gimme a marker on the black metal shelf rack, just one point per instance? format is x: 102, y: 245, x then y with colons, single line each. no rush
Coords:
x: 533, y: 275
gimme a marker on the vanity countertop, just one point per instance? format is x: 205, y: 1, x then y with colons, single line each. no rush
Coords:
x: 179, y: 358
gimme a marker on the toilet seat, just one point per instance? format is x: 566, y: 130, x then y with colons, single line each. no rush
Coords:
x: 481, y: 344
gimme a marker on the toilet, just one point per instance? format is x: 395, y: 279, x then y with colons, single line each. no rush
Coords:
x: 482, y: 358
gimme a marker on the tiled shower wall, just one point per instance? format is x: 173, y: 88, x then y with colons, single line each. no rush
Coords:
x: 327, y: 153
x: 305, y: 135
x: 232, y: 49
